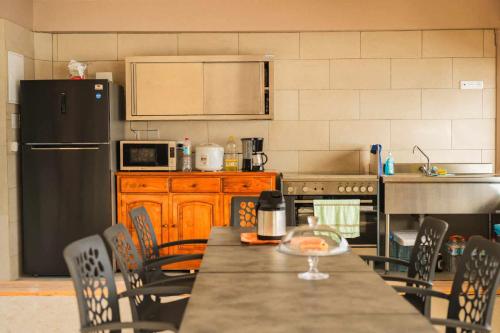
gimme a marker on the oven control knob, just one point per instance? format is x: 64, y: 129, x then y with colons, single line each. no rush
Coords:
x: 341, y: 189
x: 362, y: 189
x: 370, y: 188
x: 355, y: 189
x: 290, y: 189
x: 348, y: 189
x: 305, y: 189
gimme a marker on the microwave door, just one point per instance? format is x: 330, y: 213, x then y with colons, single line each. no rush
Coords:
x: 147, y: 156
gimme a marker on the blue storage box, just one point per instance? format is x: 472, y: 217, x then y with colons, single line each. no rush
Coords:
x: 401, y: 245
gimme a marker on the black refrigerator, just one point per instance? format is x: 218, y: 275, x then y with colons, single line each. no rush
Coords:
x: 66, y: 167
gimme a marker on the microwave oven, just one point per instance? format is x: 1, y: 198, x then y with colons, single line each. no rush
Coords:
x: 148, y: 155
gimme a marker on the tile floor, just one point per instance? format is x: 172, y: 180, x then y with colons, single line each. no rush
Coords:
x: 59, y: 314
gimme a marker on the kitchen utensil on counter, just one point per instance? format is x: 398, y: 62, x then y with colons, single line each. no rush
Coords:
x: 186, y: 156
x: 254, y: 158
x: 271, y: 216
x: 148, y: 156
x: 250, y: 238
x: 209, y: 157
x: 231, y: 155
x: 313, y: 240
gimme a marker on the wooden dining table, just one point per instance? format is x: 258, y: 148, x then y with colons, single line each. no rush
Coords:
x: 243, y: 288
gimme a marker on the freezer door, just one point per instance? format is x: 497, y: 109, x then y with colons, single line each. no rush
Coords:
x: 66, y: 195
x: 66, y: 111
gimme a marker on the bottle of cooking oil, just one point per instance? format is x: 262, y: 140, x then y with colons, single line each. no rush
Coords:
x: 231, y: 155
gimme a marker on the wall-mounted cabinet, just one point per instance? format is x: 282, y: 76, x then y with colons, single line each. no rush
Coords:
x: 199, y: 87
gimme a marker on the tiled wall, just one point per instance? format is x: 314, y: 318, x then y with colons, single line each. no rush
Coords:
x: 20, y: 40
x: 336, y: 92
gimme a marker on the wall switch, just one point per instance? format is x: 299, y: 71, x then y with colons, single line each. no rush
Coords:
x: 471, y: 85
x: 14, y: 146
x: 14, y: 121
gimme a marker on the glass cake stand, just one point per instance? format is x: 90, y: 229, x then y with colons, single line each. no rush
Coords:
x: 313, y: 241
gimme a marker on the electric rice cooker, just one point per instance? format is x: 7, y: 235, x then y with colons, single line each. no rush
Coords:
x: 209, y: 157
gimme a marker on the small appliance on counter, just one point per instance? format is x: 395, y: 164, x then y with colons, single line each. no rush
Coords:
x: 254, y: 157
x: 148, y: 155
x: 209, y: 157
x: 271, y: 215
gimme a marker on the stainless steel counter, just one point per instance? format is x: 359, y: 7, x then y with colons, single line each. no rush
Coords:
x: 329, y: 177
x: 255, y: 289
x: 471, y: 189
x: 452, y: 178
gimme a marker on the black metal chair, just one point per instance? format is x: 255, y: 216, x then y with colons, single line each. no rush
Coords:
x: 422, y: 263
x: 90, y: 268
x: 149, y: 246
x: 243, y: 211
x: 473, y: 291
x: 137, y: 277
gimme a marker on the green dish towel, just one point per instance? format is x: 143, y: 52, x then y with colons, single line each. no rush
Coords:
x: 343, y: 215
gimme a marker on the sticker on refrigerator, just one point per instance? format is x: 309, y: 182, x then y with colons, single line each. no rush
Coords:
x: 98, y: 87
x: 98, y: 96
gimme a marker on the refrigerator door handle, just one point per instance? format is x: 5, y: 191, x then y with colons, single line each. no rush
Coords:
x: 63, y: 102
x: 64, y: 148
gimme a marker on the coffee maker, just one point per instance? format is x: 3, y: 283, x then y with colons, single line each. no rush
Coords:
x: 254, y: 158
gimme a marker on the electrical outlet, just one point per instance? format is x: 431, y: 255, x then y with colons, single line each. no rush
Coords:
x: 471, y: 85
x: 14, y: 146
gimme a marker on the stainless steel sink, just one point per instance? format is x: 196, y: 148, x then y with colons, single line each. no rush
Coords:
x: 459, y: 192
x: 452, y: 168
x: 465, y: 175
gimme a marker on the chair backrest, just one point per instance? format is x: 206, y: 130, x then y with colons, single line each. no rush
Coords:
x: 90, y: 268
x: 129, y: 262
x: 473, y: 291
x: 425, y: 252
x: 145, y: 233
x: 243, y: 212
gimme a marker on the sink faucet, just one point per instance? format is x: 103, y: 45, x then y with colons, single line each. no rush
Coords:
x: 426, y: 169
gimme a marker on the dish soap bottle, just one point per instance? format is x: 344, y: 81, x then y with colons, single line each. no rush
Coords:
x: 186, y: 156
x: 389, y: 165
x: 231, y: 156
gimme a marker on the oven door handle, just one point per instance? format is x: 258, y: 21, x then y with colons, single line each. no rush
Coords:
x: 364, y: 209
x: 311, y: 201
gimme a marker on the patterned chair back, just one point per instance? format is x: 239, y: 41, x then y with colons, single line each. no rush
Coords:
x: 243, y: 212
x: 423, y: 258
x: 129, y: 262
x: 145, y: 232
x: 425, y: 252
x: 473, y: 291
x: 90, y: 268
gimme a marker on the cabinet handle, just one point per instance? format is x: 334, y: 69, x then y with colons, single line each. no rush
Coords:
x: 174, y: 225
x: 164, y: 225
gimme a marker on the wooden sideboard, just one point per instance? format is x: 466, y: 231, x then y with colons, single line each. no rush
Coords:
x: 185, y: 205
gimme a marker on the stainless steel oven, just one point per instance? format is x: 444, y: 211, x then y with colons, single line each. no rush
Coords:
x: 148, y: 155
x: 301, y: 190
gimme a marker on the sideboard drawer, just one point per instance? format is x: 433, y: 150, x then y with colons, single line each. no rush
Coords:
x: 195, y: 185
x: 246, y: 184
x: 144, y: 184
